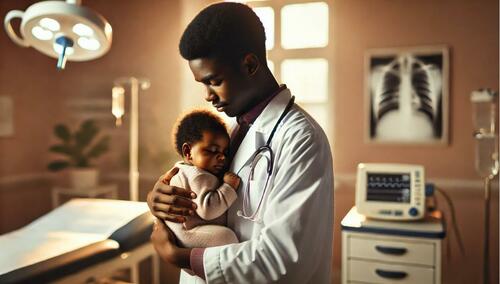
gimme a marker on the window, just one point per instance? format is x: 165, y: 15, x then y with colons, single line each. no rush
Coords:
x: 299, y: 53
x: 304, y: 25
x: 266, y: 16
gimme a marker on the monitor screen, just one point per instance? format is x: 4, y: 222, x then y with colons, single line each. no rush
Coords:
x: 393, y: 187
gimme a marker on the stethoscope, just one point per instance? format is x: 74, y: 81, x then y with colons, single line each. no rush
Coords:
x: 267, y: 153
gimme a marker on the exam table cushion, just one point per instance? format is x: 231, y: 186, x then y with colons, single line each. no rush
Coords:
x: 77, y: 235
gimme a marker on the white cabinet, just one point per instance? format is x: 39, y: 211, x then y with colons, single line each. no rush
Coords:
x: 391, y: 252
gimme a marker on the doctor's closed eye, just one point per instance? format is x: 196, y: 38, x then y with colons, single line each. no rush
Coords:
x: 216, y: 83
x: 212, y: 80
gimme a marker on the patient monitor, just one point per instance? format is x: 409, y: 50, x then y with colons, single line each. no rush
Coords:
x: 391, y: 191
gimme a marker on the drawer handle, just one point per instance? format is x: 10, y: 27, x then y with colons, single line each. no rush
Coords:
x: 391, y: 250
x: 391, y: 274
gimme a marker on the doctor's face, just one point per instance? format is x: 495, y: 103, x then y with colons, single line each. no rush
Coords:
x: 229, y: 88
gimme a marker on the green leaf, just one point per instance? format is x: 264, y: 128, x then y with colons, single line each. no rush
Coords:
x: 82, y: 163
x: 99, y: 148
x: 62, y: 131
x: 84, y: 136
x: 57, y: 165
x: 62, y: 149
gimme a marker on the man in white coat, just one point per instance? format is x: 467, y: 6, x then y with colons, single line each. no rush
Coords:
x: 283, y: 216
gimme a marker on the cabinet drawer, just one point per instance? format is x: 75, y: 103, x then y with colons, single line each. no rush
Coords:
x: 392, y: 250
x: 381, y: 273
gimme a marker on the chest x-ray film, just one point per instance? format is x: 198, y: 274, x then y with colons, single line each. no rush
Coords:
x: 407, y: 95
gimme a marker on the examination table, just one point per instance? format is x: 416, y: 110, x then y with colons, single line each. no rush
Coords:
x: 82, y: 240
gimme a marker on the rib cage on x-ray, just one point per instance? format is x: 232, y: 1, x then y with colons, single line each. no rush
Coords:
x: 406, y: 96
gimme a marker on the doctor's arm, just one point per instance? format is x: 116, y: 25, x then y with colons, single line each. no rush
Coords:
x: 298, y: 221
x: 170, y: 203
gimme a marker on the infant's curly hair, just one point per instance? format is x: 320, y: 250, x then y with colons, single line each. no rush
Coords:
x: 189, y: 127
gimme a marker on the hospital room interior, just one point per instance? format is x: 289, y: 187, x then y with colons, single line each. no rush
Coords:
x: 405, y: 91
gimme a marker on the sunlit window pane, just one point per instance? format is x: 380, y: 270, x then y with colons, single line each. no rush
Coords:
x: 270, y: 64
x: 266, y: 16
x: 304, y: 25
x: 319, y: 112
x: 306, y: 78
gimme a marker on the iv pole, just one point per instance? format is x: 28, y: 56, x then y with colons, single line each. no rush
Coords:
x: 486, y: 129
x: 118, y: 110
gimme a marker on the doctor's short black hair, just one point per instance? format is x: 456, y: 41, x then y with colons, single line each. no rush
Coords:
x: 226, y: 31
x: 190, y: 127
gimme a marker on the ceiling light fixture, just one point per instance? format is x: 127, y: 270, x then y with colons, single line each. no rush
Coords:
x: 62, y: 30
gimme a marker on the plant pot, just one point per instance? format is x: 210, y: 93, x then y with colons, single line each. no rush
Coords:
x: 83, y: 177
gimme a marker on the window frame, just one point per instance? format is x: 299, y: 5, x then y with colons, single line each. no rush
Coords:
x: 278, y: 54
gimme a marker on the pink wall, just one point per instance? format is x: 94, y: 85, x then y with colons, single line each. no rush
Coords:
x: 145, y: 38
x: 146, y: 34
x: 30, y: 79
x: 470, y: 30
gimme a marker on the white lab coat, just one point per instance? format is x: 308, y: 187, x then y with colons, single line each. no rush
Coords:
x: 293, y: 242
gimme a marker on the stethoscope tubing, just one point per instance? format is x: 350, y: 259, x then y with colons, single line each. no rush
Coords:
x: 256, y: 156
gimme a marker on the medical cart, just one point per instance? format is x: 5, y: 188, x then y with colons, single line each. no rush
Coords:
x: 375, y: 251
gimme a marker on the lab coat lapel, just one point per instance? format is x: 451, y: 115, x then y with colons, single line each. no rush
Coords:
x: 260, y: 130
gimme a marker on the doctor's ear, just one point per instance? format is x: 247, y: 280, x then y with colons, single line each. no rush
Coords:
x: 186, y: 151
x: 251, y: 64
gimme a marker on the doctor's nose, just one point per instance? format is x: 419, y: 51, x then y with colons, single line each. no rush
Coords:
x: 210, y: 95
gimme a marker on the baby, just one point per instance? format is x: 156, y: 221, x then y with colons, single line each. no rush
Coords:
x: 202, y: 140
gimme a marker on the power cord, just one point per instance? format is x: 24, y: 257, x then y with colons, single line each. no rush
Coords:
x: 430, y: 188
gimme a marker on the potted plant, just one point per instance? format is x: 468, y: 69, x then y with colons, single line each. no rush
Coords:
x: 79, y: 149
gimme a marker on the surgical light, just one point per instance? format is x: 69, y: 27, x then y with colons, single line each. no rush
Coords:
x: 61, y: 29
x: 50, y: 24
x: 41, y: 33
x: 82, y: 30
x: 89, y: 43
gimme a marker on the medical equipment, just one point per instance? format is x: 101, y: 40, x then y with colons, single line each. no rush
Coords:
x: 63, y: 30
x: 118, y: 110
x: 391, y: 191
x: 485, y: 112
x: 81, y: 240
x: 264, y: 152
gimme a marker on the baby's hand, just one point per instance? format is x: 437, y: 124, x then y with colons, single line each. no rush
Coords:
x: 232, y: 179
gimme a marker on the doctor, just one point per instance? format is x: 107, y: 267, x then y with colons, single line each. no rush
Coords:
x: 283, y: 216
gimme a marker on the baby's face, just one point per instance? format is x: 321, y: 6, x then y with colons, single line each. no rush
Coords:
x: 210, y: 153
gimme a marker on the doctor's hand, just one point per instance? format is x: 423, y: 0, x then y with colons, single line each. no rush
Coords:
x: 164, y: 243
x: 171, y: 203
